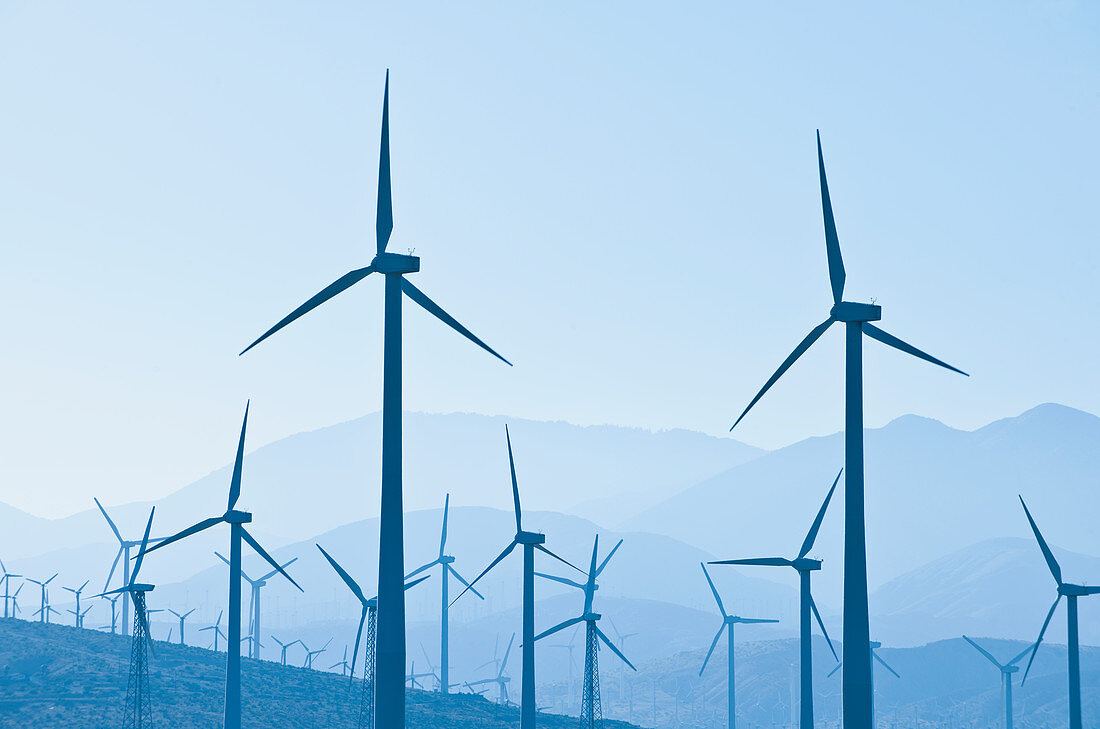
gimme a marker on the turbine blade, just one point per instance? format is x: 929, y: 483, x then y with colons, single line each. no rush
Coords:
x: 1047, y: 554
x: 515, y: 484
x: 884, y: 663
x: 608, y: 557
x: 805, y: 344
x: 502, y: 555
x: 821, y: 624
x: 812, y: 535
x: 830, y: 673
x: 141, y: 552
x: 352, y: 584
x: 238, y: 463
x: 114, y: 564
x: 443, y: 536
x: 1092, y: 590
x: 832, y: 242
x: 564, y: 561
x: 562, y: 580
x: 110, y: 521
x: 560, y: 626
x: 414, y: 583
x: 263, y: 553
x: 271, y: 574
x: 195, y: 529
x: 462, y: 579
x: 338, y: 286
x: 890, y: 340
x: 756, y: 620
x: 713, y: 644
x: 504, y: 661
x: 757, y: 561
x: 611, y: 645
x: 989, y: 655
x: 421, y: 568
x: 384, y: 218
x: 717, y: 599
x: 1039, y: 640
x: 432, y: 308
x: 1020, y: 655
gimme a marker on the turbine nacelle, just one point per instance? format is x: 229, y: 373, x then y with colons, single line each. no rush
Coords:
x: 446, y: 559
x: 395, y: 263
x: 852, y: 311
x: 140, y: 587
x: 1068, y: 590
x: 805, y: 564
x: 523, y: 537
x: 235, y: 516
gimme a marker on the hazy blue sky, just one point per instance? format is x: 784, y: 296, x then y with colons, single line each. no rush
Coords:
x: 621, y: 197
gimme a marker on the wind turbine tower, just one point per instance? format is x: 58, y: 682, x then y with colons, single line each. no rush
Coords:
x: 728, y: 622
x: 446, y: 568
x: 857, y: 679
x: 391, y: 563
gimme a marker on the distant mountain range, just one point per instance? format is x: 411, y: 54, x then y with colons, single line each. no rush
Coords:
x: 931, y: 490
x: 312, y: 482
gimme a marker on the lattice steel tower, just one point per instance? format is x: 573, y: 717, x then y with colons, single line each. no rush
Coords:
x: 591, y: 710
x: 139, y: 709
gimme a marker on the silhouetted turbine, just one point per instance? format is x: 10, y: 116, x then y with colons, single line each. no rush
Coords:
x: 530, y: 541
x: 1071, y: 592
x: 804, y: 566
x: 182, y: 617
x: 499, y: 679
x: 391, y: 566
x: 254, y: 603
x: 237, y: 534
x: 857, y: 690
x: 728, y: 621
x: 1006, y: 670
x: 5, y: 577
x: 446, y: 565
x: 44, y: 609
x: 124, y: 546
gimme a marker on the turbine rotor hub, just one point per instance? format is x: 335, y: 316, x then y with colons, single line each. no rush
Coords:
x: 530, y: 538
x: 234, y: 516
x: 395, y: 263
x: 852, y: 311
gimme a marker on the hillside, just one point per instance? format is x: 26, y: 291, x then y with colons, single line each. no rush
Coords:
x: 55, y: 677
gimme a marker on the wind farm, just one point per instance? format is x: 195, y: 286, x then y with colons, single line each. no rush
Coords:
x: 631, y: 207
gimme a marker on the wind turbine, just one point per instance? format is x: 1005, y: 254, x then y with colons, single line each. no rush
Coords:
x: 310, y: 655
x: 182, y: 617
x: 1071, y: 592
x: 591, y: 710
x: 78, y: 617
x: 124, y: 546
x: 728, y: 621
x: 139, y: 711
x: 530, y: 541
x: 413, y: 678
x: 446, y: 568
x: 283, y: 647
x: 254, y: 603
x: 6, y: 579
x: 572, y: 662
x: 343, y: 663
x: 1006, y: 669
x: 114, y: 612
x: 217, y: 628
x: 368, y: 616
x: 391, y: 566
x: 499, y: 679
x: 76, y: 592
x: 15, y: 601
x: 857, y: 318
x: 237, y: 534
x: 44, y: 610
x: 805, y: 567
